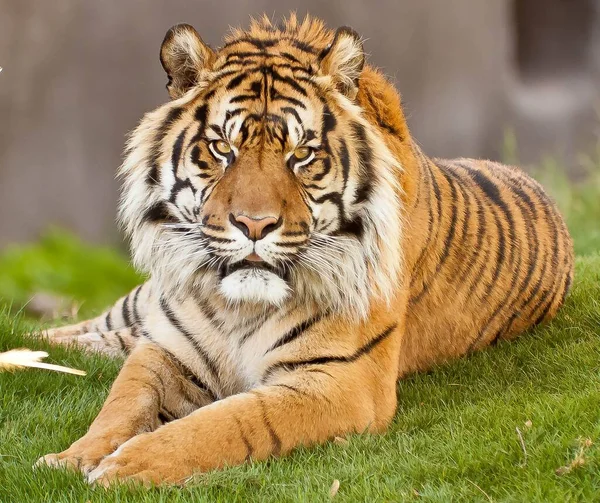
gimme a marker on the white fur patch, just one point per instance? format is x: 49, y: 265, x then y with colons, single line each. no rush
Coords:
x: 254, y: 285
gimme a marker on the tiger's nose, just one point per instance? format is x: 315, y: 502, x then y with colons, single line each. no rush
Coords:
x: 255, y: 228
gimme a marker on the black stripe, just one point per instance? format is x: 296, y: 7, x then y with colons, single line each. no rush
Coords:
x: 277, y: 96
x: 290, y: 82
x: 158, y: 377
x: 291, y: 244
x: 295, y: 332
x: 464, y: 270
x: 354, y: 226
x: 135, y: 312
x: 209, y: 313
x: 221, y: 74
x: 434, y: 222
x: 303, y: 46
x: 294, y: 233
x: 332, y: 197
x: 170, y: 315
x: 419, y: 184
x: 548, y: 211
x: 148, y: 385
x: 324, y: 360
x: 183, y: 184
x: 215, y: 239
x: 328, y: 123
x: 212, y: 226
x: 121, y: 342
x: 345, y: 162
x: 236, y: 81
x: 481, y: 181
x: 426, y: 175
x: 556, y: 275
x: 557, y: 279
x: 189, y: 374
x: 515, y: 249
x: 567, y: 289
x: 291, y: 57
x: 200, y: 114
x: 243, y: 97
x: 249, y: 448
x: 177, y: 149
x: 202, y: 385
x: 158, y: 212
x: 195, y: 158
x: 529, y: 215
x: 538, y: 284
x: 448, y: 241
x: 125, y: 312
x: 253, y: 326
x: 292, y: 111
x: 466, y: 198
x: 319, y: 371
x: 326, y: 162
x: 380, y: 120
x: 244, y: 55
x: 164, y: 416
x: 275, y: 440
x: 154, y: 175
x: 108, y: 320
x: 230, y: 114
x: 238, y: 41
x: 291, y: 388
x: 543, y: 314
x: 365, y: 169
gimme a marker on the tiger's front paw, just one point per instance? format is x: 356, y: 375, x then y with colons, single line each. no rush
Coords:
x: 84, y: 455
x: 143, y: 459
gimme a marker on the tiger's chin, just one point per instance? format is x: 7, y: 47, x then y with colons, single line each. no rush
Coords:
x: 251, y: 284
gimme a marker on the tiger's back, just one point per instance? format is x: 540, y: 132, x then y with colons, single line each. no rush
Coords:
x: 490, y: 256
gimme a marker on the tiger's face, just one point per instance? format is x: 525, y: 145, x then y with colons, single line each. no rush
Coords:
x: 259, y: 181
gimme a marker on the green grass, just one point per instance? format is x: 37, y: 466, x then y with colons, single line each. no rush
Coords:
x: 454, y: 437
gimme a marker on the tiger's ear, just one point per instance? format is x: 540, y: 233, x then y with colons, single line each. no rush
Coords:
x: 343, y: 60
x: 183, y: 54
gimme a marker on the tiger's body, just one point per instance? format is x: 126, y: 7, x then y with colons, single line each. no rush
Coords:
x: 303, y: 255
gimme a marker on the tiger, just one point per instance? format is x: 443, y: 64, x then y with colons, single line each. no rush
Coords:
x: 302, y: 253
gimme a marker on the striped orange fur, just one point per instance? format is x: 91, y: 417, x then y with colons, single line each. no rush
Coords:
x: 303, y: 255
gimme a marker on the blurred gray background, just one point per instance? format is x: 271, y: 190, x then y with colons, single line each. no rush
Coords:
x: 78, y: 74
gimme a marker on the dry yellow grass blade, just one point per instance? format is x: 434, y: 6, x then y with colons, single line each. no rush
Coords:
x: 22, y: 358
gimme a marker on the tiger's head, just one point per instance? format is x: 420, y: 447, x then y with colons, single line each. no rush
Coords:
x: 262, y: 180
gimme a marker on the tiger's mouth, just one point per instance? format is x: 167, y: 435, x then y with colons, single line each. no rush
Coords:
x: 254, y: 282
x: 252, y: 266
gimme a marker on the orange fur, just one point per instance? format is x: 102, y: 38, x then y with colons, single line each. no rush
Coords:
x: 474, y: 251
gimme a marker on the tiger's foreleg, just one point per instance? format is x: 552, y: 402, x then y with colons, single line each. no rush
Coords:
x: 114, y: 343
x: 150, y: 390
x: 113, y: 332
x: 298, y: 403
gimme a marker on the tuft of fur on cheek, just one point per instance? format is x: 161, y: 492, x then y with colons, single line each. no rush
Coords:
x: 254, y: 286
x: 333, y: 273
x: 172, y: 259
x: 382, y: 214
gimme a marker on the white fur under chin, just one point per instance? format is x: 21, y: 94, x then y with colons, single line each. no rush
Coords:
x: 247, y: 285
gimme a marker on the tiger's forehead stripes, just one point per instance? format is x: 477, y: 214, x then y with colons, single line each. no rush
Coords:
x: 264, y: 96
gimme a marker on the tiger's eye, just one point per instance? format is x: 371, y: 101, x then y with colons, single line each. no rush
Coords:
x: 222, y: 147
x: 302, y: 153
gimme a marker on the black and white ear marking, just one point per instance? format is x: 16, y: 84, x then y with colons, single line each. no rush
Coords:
x: 183, y: 54
x: 344, y: 60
